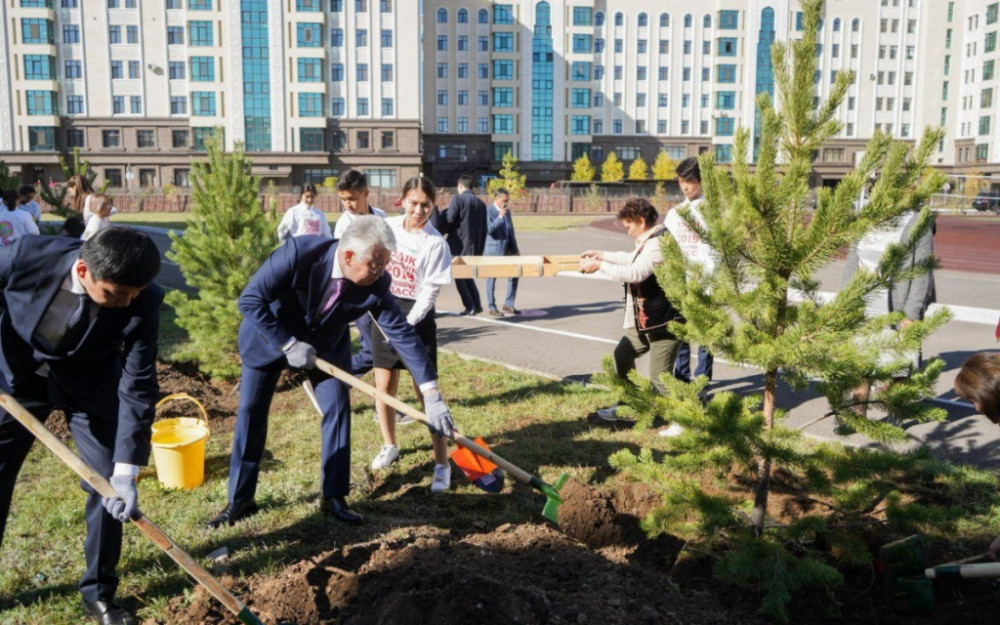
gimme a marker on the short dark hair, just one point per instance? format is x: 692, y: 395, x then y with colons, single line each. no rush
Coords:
x: 979, y: 381
x: 73, y: 226
x: 121, y: 255
x: 501, y: 191
x: 26, y: 189
x: 422, y: 183
x: 638, y: 208
x: 465, y: 180
x: 307, y: 188
x: 352, y: 180
x: 10, y: 198
x: 688, y: 168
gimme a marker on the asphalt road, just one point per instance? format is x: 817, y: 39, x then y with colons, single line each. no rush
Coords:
x: 570, y: 322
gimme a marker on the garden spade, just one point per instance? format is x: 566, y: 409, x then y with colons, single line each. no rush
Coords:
x: 551, y: 491
x: 154, y: 533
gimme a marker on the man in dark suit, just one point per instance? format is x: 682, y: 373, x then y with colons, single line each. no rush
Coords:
x: 500, y: 241
x: 297, y: 307
x: 466, y: 217
x: 79, y: 323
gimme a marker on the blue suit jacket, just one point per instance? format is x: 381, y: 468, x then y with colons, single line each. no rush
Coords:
x: 500, y: 239
x: 111, y: 373
x: 283, y: 301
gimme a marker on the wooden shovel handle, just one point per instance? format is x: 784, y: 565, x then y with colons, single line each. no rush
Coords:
x: 345, y: 377
x: 101, y: 485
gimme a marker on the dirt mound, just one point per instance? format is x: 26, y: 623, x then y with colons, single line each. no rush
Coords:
x: 526, y: 574
x: 587, y: 515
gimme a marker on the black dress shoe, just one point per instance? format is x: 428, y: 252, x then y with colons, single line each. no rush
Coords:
x: 107, y: 613
x: 233, y: 513
x: 336, y: 508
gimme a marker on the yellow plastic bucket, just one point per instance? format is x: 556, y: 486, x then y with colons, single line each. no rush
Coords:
x: 179, y: 453
x: 165, y: 424
x: 179, y: 446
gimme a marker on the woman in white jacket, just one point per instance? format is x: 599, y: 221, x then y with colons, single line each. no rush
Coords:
x: 420, y: 266
x: 304, y: 218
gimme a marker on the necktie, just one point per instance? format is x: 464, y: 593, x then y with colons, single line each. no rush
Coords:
x: 331, y: 294
x: 77, y: 325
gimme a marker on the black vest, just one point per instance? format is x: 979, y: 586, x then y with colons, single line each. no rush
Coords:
x: 651, y: 309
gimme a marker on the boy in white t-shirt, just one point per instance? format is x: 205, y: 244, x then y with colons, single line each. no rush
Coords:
x: 304, y: 218
x: 695, y: 250
x: 27, y: 202
x: 14, y: 222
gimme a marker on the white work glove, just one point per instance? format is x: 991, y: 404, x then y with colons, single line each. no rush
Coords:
x: 439, y: 420
x: 126, y: 503
x: 300, y: 355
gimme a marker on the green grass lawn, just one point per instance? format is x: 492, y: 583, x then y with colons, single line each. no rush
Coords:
x: 178, y: 221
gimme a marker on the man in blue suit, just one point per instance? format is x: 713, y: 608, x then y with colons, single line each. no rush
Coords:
x: 500, y: 241
x: 79, y: 323
x: 297, y: 307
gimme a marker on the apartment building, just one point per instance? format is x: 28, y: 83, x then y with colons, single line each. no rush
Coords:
x: 311, y: 87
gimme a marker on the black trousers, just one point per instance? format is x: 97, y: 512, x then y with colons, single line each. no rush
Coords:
x: 95, y: 441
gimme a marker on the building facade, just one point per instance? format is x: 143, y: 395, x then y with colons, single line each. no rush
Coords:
x: 447, y: 87
x: 311, y: 87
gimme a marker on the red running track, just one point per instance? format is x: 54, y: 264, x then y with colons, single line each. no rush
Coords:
x: 962, y: 243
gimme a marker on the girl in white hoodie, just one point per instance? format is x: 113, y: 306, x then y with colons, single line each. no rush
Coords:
x: 304, y: 218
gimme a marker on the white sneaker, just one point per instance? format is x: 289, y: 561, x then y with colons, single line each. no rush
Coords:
x: 386, y: 457
x: 402, y: 419
x: 608, y: 414
x: 442, y: 478
x: 673, y: 430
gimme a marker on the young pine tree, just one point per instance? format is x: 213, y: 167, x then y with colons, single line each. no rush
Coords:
x: 227, y: 240
x: 583, y: 169
x: 612, y: 169
x: 509, y: 178
x: 761, y: 307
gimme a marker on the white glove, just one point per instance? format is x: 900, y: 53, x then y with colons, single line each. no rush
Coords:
x: 300, y: 355
x: 126, y: 503
x: 439, y: 420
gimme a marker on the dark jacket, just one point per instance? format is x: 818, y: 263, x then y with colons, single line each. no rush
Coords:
x: 466, y: 217
x: 111, y: 373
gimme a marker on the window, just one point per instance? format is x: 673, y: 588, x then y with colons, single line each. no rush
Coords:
x: 40, y: 67
x: 203, y: 68
x: 727, y: 46
x: 503, y: 14
x: 726, y: 73
x: 483, y: 44
x: 312, y: 140
x: 111, y: 138
x: 116, y: 70
x: 74, y: 105
x: 35, y: 30
x: 724, y: 153
x: 203, y: 134
x: 582, y: 16
x: 179, y: 138
x: 200, y: 33
x: 642, y: 46
x: 363, y: 109
x: 988, y: 67
x: 310, y: 105
x: 984, y: 125
x: 619, y: 45
x: 135, y: 104
x: 580, y: 125
x: 616, y: 126
x: 986, y: 98
x: 71, y: 33
x: 74, y: 137
x: 199, y: 5
x: 504, y: 42
x: 386, y: 38
x: 991, y: 42
x: 337, y: 72
x: 41, y: 138
x: 336, y: 37
x: 462, y: 43
x: 175, y: 35
x: 178, y: 105
x: 145, y: 138
x: 640, y: 99
x: 362, y: 72
x: 503, y: 70
x: 387, y: 72
x: 580, y: 98
x: 442, y: 70
x: 483, y: 17
x: 442, y: 42
x: 483, y: 97
x: 729, y: 20
x: 598, y: 45
x: 338, y: 107
x: 131, y: 34
x: 598, y: 72
x: 442, y: 97
x: 724, y: 126
x: 483, y: 70
x: 725, y: 100
x: 387, y: 107
x: 664, y: 73
x: 442, y: 125
x: 982, y: 151
x: 203, y: 103
x: 361, y: 38
x: 662, y: 100
x: 619, y: 19
x: 502, y: 97
x: 503, y: 124
x: 380, y: 178
x: 361, y: 6
x: 388, y: 138
x: 628, y: 152
x: 640, y: 73
x: 463, y: 70
x: 310, y: 35
x: 172, y: 4
x: 182, y: 177
x: 310, y: 70
x: 114, y: 34
x: 442, y: 16
x: 43, y: 4
x: 42, y: 103
x: 113, y: 176
x: 991, y: 13
x: 308, y: 6
x: 462, y: 17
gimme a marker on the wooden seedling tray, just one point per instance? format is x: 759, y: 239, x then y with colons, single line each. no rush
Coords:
x: 512, y: 266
